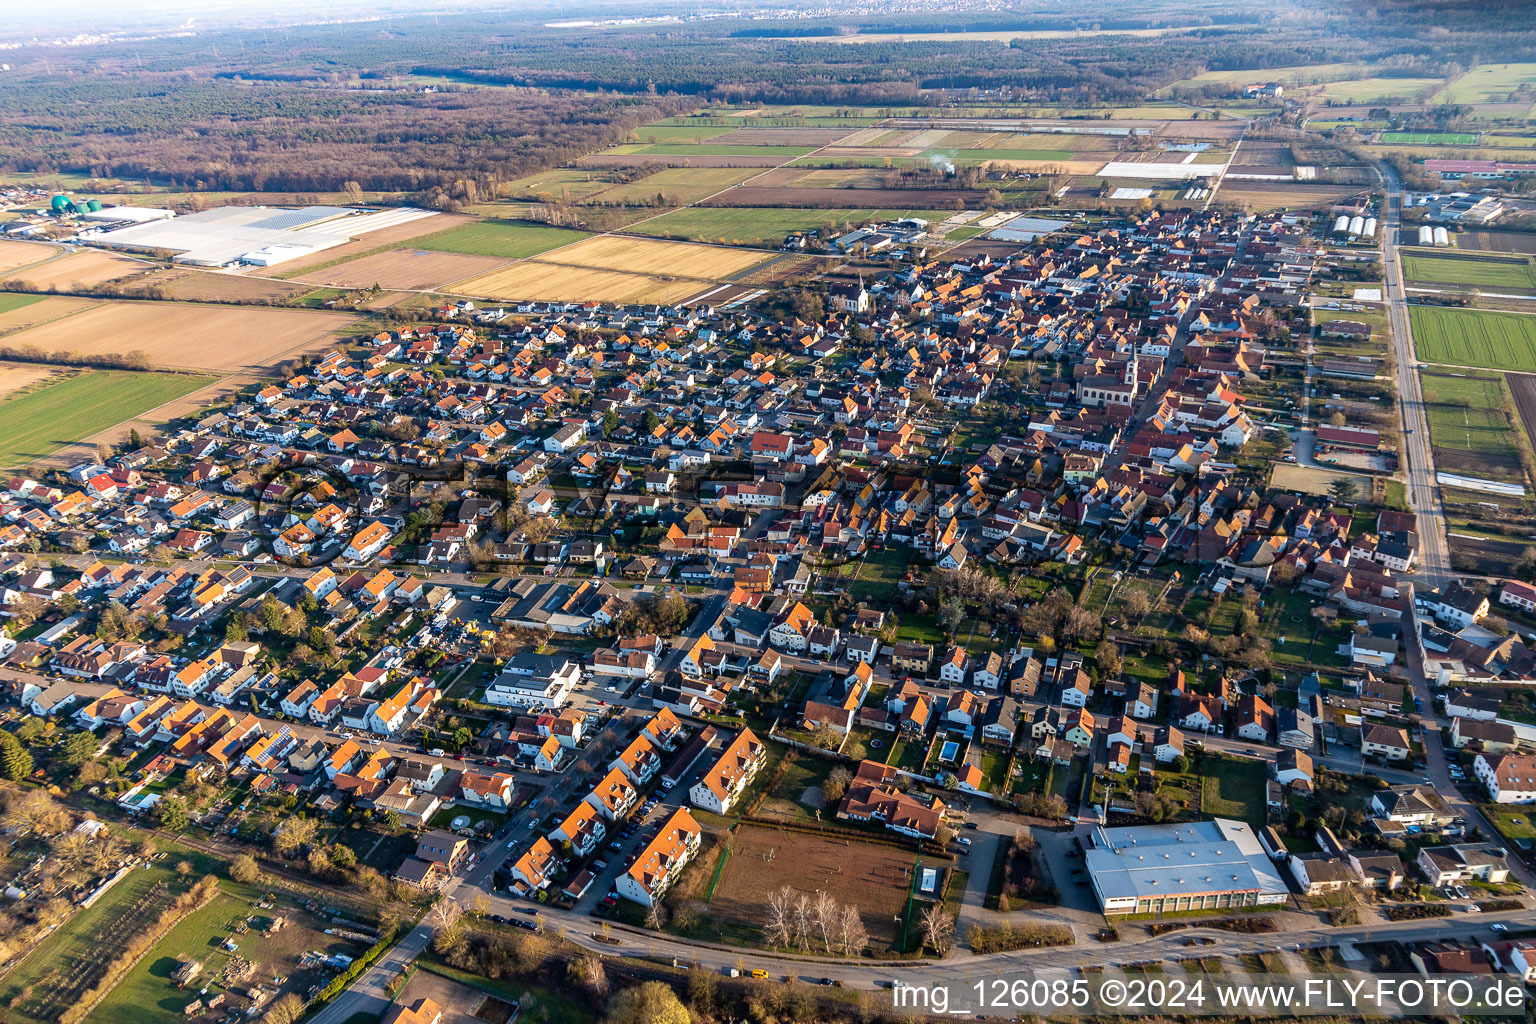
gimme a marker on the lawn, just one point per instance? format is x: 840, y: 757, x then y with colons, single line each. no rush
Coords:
x: 10, y: 301
x: 1466, y: 413
x: 147, y: 995
x: 445, y: 817
x: 36, y: 424
x: 1474, y: 270
x: 1233, y: 787
x: 1491, y: 339
x: 763, y: 225
x: 509, y: 239
x: 1512, y: 822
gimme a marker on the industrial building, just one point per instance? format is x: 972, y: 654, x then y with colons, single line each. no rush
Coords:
x: 1165, y: 869
x: 258, y: 236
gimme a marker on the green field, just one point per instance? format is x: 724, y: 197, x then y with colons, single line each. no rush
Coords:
x: 147, y: 995
x: 981, y: 156
x: 708, y: 149
x: 761, y: 225
x: 1466, y: 413
x: 668, y: 134
x: 1491, y: 339
x: 566, y: 183
x: 1371, y: 90
x: 1428, y: 139
x: 11, y: 300
x: 1488, y: 83
x: 1233, y: 787
x: 38, y: 423
x: 1474, y: 270
x: 680, y: 185
x: 509, y: 239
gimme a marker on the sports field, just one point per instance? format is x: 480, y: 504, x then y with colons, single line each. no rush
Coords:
x: 1473, y: 270
x: 508, y: 239
x: 38, y: 423
x: 762, y: 226
x: 1475, y: 337
x: 1428, y: 139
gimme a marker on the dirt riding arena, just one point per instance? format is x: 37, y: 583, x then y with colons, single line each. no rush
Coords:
x: 405, y: 269
x: 213, y: 339
x: 82, y: 269
x: 876, y: 879
x: 19, y: 254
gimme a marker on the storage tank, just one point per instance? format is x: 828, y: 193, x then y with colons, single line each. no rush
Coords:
x: 1426, y: 235
x: 62, y: 205
x: 1370, y: 227
x: 1341, y: 225
x: 1356, y: 225
x: 93, y: 206
x: 1442, y: 237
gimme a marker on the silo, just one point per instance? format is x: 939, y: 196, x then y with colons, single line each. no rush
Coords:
x: 1442, y: 237
x: 1356, y: 225
x: 1341, y: 225
x: 93, y: 205
x: 1426, y: 235
x: 1370, y: 227
x: 61, y: 205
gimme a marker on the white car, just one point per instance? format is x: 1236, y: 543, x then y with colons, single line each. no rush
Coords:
x: 964, y: 841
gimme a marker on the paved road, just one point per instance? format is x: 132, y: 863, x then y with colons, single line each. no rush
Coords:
x: 1418, y: 462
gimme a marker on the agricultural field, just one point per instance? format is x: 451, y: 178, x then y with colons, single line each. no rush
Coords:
x: 1289, y: 195
x: 558, y: 283
x: 1427, y: 139
x: 375, y: 241
x: 782, y: 154
x: 20, y: 254
x: 1376, y: 90
x: 1306, y: 74
x: 507, y: 240
x: 214, y: 286
x: 1473, y: 270
x: 1468, y: 425
x: 1475, y: 337
x: 407, y: 269
x: 565, y: 184
x: 680, y: 185
x: 762, y: 226
x: 1496, y: 241
x: 18, y: 377
x: 36, y: 424
x: 38, y: 309
x: 1488, y: 83
x: 876, y: 879
x: 671, y: 259
x: 81, y: 269
x: 184, y: 336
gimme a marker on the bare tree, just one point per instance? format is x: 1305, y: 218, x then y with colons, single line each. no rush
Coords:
x: 851, y: 936
x: 824, y: 913
x: 803, y: 924
x: 779, y: 928
x: 938, y: 929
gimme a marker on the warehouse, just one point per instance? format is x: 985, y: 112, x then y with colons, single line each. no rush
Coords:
x: 1165, y: 869
x: 260, y: 236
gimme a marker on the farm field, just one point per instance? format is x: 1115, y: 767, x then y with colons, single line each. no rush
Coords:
x: 762, y: 226
x: 1487, y: 83
x: 761, y: 860
x: 42, y: 309
x: 18, y: 254
x: 13, y: 300
x: 556, y: 282
x: 568, y: 184
x: 1306, y: 74
x: 406, y: 269
x: 36, y: 424
x: 679, y: 184
x: 1371, y: 90
x: 782, y: 153
x: 374, y: 241
x: 16, y: 377
x: 1468, y: 427
x: 183, y: 336
x: 1474, y: 270
x: 1428, y: 139
x: 1474, y: 337
x: 647, y: 256
x: 82, y: 269
x: 1496, y: 241
x: 205, y: 286
x: 1273, y: 195
x: 508, y: 240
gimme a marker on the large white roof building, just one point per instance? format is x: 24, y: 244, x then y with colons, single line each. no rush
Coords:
x: 1206, y: 865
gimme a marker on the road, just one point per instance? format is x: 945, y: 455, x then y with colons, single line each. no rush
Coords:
x: 1434, y: 567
